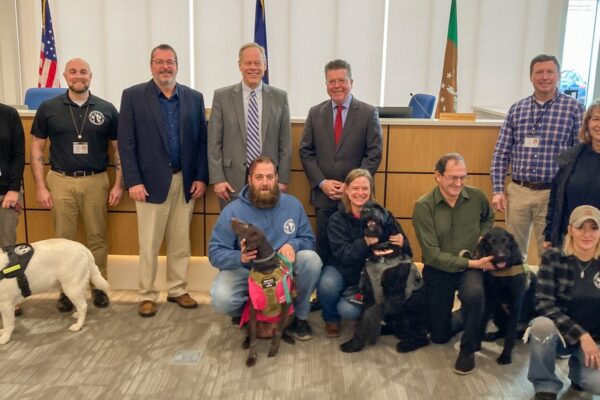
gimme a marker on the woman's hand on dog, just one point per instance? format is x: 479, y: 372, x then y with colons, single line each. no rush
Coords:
x: 483, y: 263
x: 590, y: 350
x: 246, y: 256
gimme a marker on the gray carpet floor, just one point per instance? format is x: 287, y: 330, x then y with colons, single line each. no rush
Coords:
x: 196, y: 354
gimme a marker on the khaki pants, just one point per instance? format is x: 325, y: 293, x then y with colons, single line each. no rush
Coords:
x: 527, y: 208
x: 9, y: 219
x: 170, y: 221
x: 86, y: 196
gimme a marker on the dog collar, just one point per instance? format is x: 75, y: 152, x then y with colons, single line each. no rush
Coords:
x: 262, y: 260
x: 512, y: 271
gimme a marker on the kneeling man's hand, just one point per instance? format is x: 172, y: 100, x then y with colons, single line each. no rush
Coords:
x: 288, y: 251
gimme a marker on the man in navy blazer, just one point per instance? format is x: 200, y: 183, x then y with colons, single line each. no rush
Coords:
x: 162, y: 141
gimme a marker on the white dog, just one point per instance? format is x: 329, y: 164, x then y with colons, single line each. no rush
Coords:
x: 55, y: 263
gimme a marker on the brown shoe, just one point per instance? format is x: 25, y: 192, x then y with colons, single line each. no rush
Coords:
x: 147, y: 308
x: 184, y: 301
x: 332, y: 329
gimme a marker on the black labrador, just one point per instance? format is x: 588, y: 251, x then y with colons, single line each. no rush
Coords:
x: 391, y: 287
x: 505, y: 287
x: 265, y: 264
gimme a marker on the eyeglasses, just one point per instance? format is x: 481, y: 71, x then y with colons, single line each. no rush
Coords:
x: 455, y: 179
x: 160, y: 63
x: 339, y: 82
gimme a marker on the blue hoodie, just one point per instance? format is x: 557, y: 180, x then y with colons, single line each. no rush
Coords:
x: 285, y: 223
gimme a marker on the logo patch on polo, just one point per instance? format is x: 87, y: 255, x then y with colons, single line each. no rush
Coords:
x: 96, y: 117
x: 596, y: 280
x: 289, y: 226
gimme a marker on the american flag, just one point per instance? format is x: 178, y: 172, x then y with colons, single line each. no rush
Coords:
x: 48, y: 61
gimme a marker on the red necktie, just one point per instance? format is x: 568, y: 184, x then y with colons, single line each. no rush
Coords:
x: 337, y: 127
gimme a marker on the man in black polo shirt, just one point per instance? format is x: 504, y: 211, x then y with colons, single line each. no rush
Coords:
x: 80, y: 127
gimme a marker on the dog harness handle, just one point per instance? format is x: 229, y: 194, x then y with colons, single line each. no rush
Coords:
x: 290, y: 270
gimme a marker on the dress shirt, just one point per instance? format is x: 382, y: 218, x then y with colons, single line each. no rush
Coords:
x: 170, y: 109
x: 554, y: 125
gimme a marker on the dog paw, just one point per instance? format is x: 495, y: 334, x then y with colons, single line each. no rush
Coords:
x: 251, y: 360
x: 504, y: 359
x: 404, y: 346
x: 288, y: 338
x: 75, y: 327
x: 352, y: 346
x: 4, y: 338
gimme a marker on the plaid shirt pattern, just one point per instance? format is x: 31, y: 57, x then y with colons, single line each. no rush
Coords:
x: 555, y: 124
x: 553, y: 293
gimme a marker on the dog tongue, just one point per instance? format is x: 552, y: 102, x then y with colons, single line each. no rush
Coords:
x: 501, y: 264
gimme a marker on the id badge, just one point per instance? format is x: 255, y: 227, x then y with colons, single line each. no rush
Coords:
x: 80, y: 148
x: 532, y: 142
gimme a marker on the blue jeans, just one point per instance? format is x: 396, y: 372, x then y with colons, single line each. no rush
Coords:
x: 229, y: 290
x: 543, y: 344
x: 330, y: 288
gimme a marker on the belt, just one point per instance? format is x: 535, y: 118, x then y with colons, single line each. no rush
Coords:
x: 77, y: 174
x: 175, y: 170
x: 534, y: 185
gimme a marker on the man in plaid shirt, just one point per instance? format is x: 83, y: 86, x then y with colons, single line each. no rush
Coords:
x: 536, y: 129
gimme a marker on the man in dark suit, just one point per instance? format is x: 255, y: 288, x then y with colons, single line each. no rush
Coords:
x: 162, y: 141
x: 340, y: 134
x: 237, y: 112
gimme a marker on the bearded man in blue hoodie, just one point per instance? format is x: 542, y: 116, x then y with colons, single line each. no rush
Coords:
x: 282, y: 219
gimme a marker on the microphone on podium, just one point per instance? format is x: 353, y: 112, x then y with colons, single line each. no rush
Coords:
x: 418, y: 103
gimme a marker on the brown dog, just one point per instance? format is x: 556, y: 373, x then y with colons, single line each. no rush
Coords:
x: 267, y: 301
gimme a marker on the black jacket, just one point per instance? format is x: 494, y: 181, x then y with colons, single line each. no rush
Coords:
x: 349, y: 250
x: 12, y: 150
x: 555, y: 228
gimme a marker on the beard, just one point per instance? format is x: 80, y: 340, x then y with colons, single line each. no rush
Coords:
x: 264, y: 200
x: 79, y: 89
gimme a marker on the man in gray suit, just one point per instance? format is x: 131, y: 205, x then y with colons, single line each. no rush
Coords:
x: 340, y: 134
x: 247, y: 120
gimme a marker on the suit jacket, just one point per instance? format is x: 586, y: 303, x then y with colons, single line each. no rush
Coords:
x: 360, y: 146
x: 227, y: 134
x: 143, y: 144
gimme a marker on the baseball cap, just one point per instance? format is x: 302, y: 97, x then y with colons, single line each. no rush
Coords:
x: 584, y: 213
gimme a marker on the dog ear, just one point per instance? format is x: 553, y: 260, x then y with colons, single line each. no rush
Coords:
x: 516, y: 256
x: 480, y: 248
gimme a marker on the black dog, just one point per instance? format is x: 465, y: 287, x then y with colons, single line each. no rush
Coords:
x: 505, y: 287
x: 391, y: 286
x: 266, y: 266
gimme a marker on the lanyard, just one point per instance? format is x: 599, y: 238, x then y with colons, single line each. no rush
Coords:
x: 79, y: 131
x: 545, y: 107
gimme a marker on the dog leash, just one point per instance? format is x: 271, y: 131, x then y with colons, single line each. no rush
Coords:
x: 290, y: 270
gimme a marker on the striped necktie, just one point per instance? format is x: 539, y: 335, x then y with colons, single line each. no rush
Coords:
x: 252, y: 131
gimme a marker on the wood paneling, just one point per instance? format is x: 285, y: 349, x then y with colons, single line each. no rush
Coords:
x: 405, y: 174
x: 417, y: 148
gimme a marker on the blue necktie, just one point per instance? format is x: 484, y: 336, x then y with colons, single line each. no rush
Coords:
x: 252, y: 131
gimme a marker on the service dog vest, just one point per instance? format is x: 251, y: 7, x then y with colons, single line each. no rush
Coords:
x: 18, y: 258
x: 268, y: 292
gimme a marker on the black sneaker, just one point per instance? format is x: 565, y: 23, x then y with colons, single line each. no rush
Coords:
x: 64, y: 304
x: 100, y: 298
x: 576, y: 387
x: 465, y: 363
x: 545, y: 396
x: 301, y: 330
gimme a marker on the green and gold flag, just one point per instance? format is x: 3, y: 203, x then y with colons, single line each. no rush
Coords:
x: 448, y: 88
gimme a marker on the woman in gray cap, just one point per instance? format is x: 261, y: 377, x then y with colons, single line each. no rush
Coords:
x: 568, y: 302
